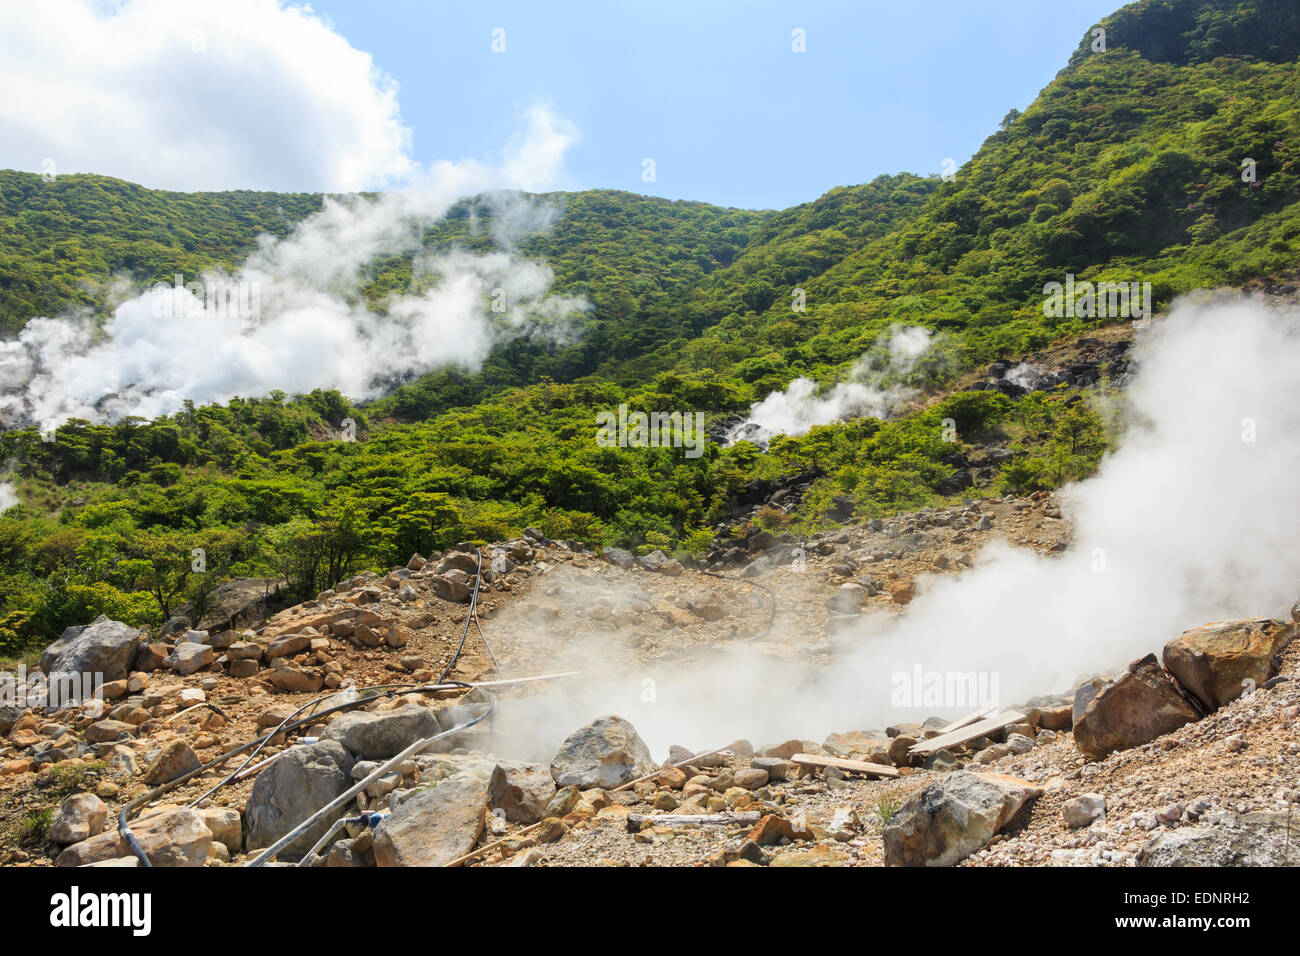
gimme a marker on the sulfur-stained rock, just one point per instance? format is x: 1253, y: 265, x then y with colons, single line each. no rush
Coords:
x: 1218, y: 662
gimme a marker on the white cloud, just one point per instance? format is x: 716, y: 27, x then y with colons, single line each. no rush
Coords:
x: 196, y: 95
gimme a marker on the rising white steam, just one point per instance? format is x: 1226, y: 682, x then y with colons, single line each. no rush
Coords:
x: 1192, y: 519
x: 8, y: 497
x: 872, y: 388
x: 293, y: 317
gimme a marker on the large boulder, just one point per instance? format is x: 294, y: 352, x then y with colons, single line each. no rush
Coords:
x: 103, y: 646
x: 383, y: 734
x: 1249, y: 839
x: 294, y: 787
x: 176, y: 837
x: 953, y: 817
x: 239, y: 602
x: 433, y: 827
x: 605, y: 753
x: 1143, y: 704
x: 1217, y: 662
x: 521, y: 791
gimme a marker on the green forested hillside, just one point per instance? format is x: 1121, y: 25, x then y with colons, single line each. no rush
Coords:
x: 1128, y: 166
x: 62, y: 242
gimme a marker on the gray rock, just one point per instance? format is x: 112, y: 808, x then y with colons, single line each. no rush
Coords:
x: 942, y: 761
x: 605, y: 753
x: 103, y: 646
x: 777, y: 769
x: 189, y: 657
x: 1249, y: 839
x: 619, y: 557
x: 379, y: 735
x: 239, y: 603
x: 1083, y: 810
x: 950, y: 819
x: 1019, y: 744
x: 521, y: 791
x: 293, y: 788
x: 433, y: 827
x: 654, y: 561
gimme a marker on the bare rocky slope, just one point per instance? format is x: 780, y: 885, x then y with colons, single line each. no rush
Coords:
x: 1210, y: 781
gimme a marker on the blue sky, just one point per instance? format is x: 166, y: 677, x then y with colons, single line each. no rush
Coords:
x: 712, y: 90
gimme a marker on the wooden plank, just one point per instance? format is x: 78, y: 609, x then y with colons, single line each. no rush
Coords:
x: 966, y: 721
x: 843, y: 763
x: 970, y: 732
x: 636, y: 820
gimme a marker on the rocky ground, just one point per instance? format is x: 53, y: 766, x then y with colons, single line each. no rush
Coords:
x: 1089, y: 778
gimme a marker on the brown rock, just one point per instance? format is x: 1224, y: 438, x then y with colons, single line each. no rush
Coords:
x: 771, y: 829
x: 242, y: 670
x: 1143, y: 704
x: 150, y: 657
x: 1055, y: 718
x: 175, y: 760
x: 902, y: 593
x: 287, y: 646
x: 104, y: 731
x: 293, y: 681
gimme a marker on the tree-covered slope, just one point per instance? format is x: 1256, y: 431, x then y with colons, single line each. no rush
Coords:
x: 1128, y: 166
x: 64, y: 241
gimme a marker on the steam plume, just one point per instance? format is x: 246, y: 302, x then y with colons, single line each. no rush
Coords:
x: 311, y: 328
x: 1191, y: 519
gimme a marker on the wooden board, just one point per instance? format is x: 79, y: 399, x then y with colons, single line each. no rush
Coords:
x: 843, y: 763
x: 980, y: 728
x: 967, y: 720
